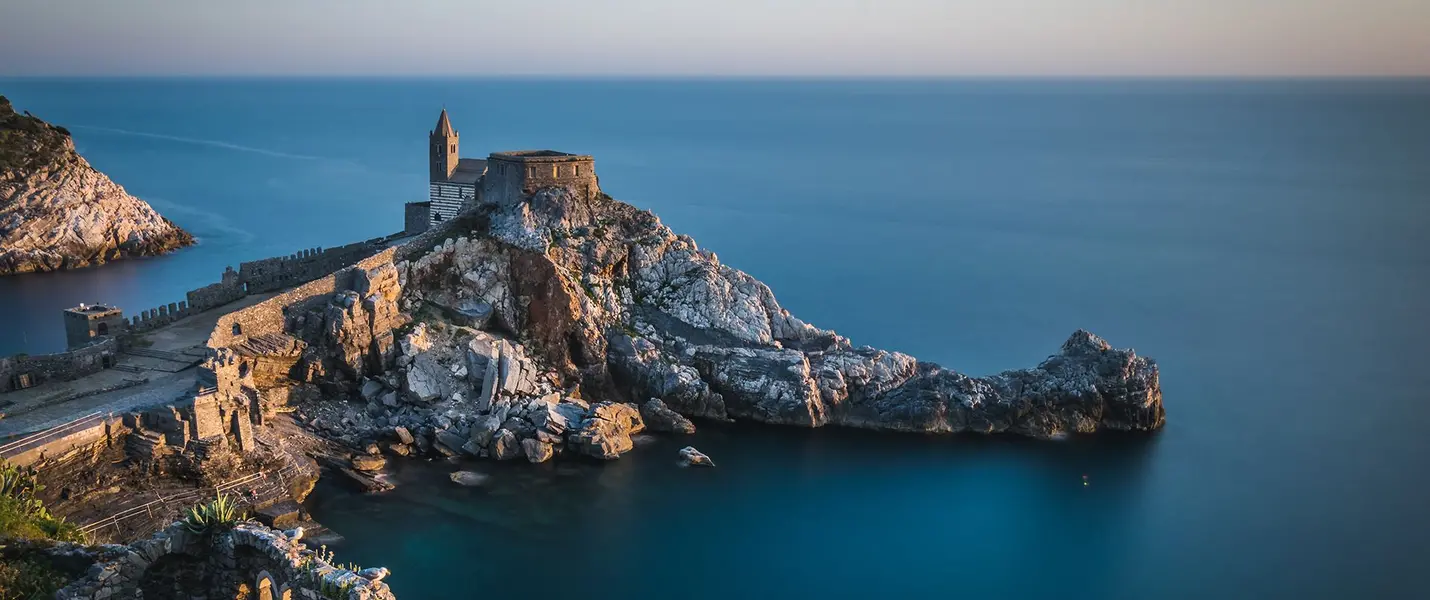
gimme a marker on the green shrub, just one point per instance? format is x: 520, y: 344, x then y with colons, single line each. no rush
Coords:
x: 22, y: 515
x: 217, y: 515
x: 28, y: 580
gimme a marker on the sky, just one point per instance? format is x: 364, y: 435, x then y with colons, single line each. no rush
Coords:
x: 976, y: 38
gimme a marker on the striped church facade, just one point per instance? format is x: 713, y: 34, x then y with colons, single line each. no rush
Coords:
x: 448, y: 198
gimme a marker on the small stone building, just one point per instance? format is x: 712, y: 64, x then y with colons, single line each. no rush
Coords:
x: 89, y: 323
x: 513, y: 175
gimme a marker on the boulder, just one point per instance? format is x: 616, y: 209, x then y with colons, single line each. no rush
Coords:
x: 399, y: 449
x: 690, y: 457
x: 549, y: 418
x: 505, y: 445
x: 368, y: 462
x: 451, y: 441
x: 371, y: 390
x: 424, y: 377
x: 517, y: 373
x: 468, y: 478
x: 659, y: 417
x: 606, y: 433
x: 484, y: 429
x: 537, y: 451
x: 390, y: 399
x: 403, y: 434
x: 416, y: 341
x: 625, y: 415
x: 481, y: 350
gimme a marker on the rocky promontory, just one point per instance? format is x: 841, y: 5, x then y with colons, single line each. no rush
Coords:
x: 58, y: 212
x: 566, y: 321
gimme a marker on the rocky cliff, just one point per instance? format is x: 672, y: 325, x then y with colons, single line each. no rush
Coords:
x: 549, y: 323
x: 58, y: 212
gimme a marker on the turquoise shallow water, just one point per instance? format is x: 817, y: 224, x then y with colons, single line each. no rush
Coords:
x: 1265, y: 241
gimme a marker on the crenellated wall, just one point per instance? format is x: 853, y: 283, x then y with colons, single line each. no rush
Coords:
x: 228, y: 289
x: 272, y: 274
x: 268, y: 316
x: 159, y: 316
x: 252, y: 277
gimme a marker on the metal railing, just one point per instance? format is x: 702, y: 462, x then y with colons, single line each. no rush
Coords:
x: 41, y: 438
x: 267, y: 485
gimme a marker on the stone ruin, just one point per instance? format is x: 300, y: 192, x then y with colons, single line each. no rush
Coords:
x: 217, y: 418
x: 248, y: 561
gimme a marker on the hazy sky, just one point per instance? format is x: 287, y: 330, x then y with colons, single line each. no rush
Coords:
x: 716, y: 37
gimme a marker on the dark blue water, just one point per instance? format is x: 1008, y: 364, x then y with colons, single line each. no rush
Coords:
x: 1265, y: 241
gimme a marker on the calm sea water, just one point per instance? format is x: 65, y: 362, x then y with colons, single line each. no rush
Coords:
x: 1265, y: 241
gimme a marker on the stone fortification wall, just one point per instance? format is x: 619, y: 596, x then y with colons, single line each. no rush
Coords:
x: 228, y: 289
x: 269, y: 316
x: 61, y: 366
x: 272, y: 274
x: 512, y: 176
x: 247, y: 561
x: 159, y: 316
x: 254, y: 277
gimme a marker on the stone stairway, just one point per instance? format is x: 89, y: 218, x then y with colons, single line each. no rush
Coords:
x: 159, y: 354
x: 269, y: 344
x: 143, y: 445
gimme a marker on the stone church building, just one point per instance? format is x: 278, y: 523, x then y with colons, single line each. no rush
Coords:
x: 453, y: 179
x: 457, y: 183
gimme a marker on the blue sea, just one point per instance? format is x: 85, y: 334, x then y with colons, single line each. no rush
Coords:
x: 1268, y: 242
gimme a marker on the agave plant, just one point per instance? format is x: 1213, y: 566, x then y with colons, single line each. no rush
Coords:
x: 219, y: 514
x: 18, y: 482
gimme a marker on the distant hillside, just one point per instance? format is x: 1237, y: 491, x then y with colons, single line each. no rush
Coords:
x: 58, y: 212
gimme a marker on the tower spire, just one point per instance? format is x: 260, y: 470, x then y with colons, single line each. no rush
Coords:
x: 444, y: 125
x: 442, y: 148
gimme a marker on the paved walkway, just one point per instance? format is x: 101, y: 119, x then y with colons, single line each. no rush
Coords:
x: 141, y: 380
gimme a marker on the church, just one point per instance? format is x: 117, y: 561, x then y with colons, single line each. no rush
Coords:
x: 456, y: 184
x: 454, y: 180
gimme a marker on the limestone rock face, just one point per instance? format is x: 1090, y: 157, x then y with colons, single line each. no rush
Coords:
x: 589, y: 303
x: 58, y: 212
x: 659, y: 417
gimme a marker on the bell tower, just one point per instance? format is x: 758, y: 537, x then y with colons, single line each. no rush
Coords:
x: 442, y: 149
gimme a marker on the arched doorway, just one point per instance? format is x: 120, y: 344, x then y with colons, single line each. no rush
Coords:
x: 102, y: 329
x: 265, y: 586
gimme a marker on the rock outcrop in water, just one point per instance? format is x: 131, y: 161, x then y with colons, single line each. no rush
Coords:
x: 58, y: 212
x: 590, y: 307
